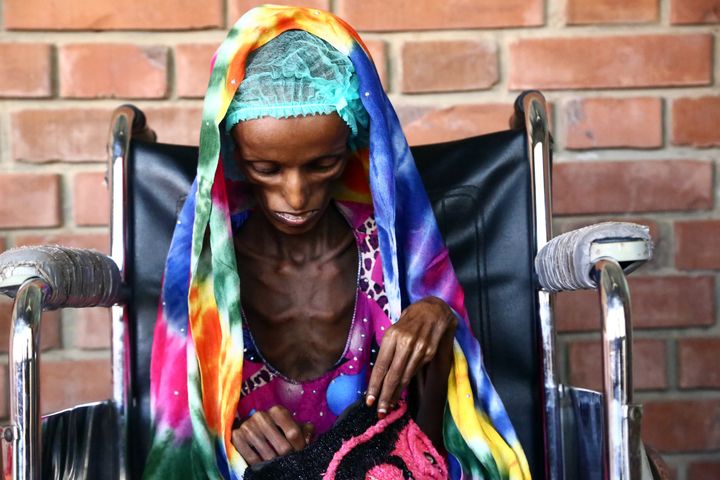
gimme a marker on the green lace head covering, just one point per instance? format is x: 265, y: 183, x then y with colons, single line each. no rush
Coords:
x: 298, y: 74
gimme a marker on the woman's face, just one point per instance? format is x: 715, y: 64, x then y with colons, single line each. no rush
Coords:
x: 292, y: 164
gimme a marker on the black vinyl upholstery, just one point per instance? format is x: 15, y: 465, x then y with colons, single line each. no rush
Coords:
x: 159, y: 177
x: 480, y: 190
x: 81, y: 443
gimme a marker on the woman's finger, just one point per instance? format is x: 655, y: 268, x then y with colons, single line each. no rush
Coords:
x: 382, y: 364
x: 417, y: 359
x: 308, y: 430
x: 256, y: 439
x: 274, y: 436
x: 290, y: 429
x: 245, y: 450
x: 393, y: 376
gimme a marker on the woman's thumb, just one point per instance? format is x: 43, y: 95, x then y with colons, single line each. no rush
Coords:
x: 308, y: 430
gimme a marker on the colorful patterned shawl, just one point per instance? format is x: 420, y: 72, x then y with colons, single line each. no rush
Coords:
x: 198, y: 345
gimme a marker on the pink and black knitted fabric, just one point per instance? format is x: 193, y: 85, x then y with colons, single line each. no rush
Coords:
x: 360, y: 446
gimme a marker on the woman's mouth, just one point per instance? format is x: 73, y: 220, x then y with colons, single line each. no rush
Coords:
x: 295, y: 219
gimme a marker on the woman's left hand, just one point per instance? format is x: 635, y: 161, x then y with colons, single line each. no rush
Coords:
x: 412, y: 342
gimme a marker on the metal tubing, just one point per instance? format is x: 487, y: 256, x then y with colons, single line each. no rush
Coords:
x: 621, y: 450
x: 538, y: 138
x: 118, y: 148
x: 25, y: 379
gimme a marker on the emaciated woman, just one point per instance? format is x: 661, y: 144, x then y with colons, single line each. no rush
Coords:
x: 306, y: 271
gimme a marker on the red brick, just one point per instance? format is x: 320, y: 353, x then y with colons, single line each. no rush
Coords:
x: 378, y: 50
x: 66, y: 383
x: 611, y: 11
x: 408, y: 114
x: 695, y: 120
x: 693, y: 12
x: 649, y: 365
x: 682, y: 425
x: 192, y: 68
x: 459, y: 121
x: 613, y: 123
x: 703, y: 471
x: 25, y: 70
x: 611, y: 62
x: 696, y: 244
x: 465, y: 65
x: 698, y: 362
x: 236, y: 8
x: 657, y: 302
x: 91, y: 199
x: 385, y: 15
x: 179, y: 125
x: 107, y: 15
x: 92, y: 328
x: 49, y: 327
x: 94, y: 241
x: 635, y: 186
x: 113, y: 70
x: 30, y: 200
x: 67, y: 135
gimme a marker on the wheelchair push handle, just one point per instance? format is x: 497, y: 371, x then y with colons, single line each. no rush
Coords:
x: 138, y: 123
x: 518, y: 118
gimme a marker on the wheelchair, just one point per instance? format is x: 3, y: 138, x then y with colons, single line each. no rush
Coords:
x: 491, y: 195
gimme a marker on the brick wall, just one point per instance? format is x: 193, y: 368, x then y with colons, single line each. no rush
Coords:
x: 635, y: 110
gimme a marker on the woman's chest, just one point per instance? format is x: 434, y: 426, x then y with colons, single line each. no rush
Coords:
x: 322, y: 291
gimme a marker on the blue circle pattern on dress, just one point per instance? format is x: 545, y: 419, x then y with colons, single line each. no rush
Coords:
x: 345, y: 390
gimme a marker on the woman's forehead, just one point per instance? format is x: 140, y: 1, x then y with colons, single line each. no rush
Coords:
x: 299, y: 137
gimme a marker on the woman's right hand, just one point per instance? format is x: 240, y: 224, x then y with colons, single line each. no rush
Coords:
x: 269, y: 434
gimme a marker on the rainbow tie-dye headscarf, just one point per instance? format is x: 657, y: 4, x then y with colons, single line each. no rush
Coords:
x: 196, y: 369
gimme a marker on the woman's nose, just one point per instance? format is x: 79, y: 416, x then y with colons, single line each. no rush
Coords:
x: 295, y: 190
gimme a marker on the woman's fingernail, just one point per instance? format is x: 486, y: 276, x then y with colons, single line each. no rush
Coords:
x: 382, y: 412
x: 369, y: 400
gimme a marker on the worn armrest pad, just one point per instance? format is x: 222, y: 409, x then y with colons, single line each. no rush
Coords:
x: 76, y: 277
x: 564, y: 263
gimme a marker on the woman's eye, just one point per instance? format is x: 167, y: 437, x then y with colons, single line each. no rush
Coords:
x: 325, y: 164
x: 264, y: 168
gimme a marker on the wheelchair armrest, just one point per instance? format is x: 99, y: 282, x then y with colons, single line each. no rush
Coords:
x: 566, y: 262
x: 74, y: 277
